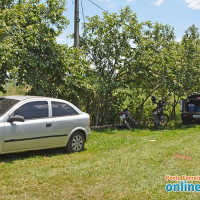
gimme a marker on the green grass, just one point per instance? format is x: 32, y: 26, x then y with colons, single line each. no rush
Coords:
x: 116, y: 164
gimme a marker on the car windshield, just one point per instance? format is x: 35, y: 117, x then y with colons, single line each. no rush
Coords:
x: 6, y: 104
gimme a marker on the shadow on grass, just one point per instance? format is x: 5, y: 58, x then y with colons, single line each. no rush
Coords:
x: 106, y: 130
x: 9, y: 158
x: 112, y: 131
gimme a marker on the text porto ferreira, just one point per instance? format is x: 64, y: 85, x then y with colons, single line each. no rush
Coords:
x: 182, y: 183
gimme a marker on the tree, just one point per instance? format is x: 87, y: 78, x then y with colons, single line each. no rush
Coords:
x: 28, y: 34
x: 107, y: 40
x: 151, y: 63
x: 190, y: 61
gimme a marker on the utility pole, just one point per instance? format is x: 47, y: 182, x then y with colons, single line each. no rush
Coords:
x: 76, y: 24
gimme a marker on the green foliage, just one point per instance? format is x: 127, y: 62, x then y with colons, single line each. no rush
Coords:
x: 121, y: 62
x: 190, y: 60
x: 132, y: 61
x: 29, y: 49
x: 107, y: 41
x: 151, y: 63
x: 76, y: 86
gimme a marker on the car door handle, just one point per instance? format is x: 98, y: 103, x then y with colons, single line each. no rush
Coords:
x: 48, y: 125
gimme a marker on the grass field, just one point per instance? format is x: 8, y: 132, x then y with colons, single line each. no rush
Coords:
x: 116, y: 164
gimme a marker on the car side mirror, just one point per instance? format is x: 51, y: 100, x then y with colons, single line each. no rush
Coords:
x: 16, y: 118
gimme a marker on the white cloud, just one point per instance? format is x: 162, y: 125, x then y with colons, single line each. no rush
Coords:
x: 129, y: 1
x: 158, y: 2
x: 194, y: 4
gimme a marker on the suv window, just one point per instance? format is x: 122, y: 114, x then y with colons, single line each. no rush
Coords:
x: 33, y: 110
x: 62, y: 109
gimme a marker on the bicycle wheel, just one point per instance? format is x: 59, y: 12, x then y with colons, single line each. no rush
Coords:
x: 131, y: 123
x: 164, y: 119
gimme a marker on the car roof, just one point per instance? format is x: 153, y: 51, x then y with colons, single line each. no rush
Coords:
x: 23, y: 97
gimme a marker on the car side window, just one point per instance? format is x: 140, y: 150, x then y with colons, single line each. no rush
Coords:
x: 33, y: 110
x: 60, y: 109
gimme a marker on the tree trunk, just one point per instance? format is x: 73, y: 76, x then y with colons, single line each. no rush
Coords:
x: 97, y: 116
x: 141, y: 106
x: 88, y: 105
x: 173, y: 112
x: 105, y: 116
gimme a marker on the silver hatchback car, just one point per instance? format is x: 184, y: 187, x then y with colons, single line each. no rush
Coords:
x: 32, y: 123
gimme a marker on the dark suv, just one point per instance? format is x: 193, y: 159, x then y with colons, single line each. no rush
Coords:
x: 190, y: 109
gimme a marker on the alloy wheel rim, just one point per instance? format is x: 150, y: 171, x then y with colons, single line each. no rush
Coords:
x: 77, y: 143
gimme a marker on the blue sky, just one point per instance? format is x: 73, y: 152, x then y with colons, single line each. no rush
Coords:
x: 178, y: 13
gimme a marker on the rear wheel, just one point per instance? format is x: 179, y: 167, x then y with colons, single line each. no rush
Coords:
x: 76, y: 142
x: 162, y: 121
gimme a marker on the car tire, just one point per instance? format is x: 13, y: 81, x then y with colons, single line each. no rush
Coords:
x: 76, y: 142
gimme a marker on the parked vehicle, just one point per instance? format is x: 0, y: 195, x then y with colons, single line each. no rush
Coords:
x: 128, y: 120
x: 190, y: 109
x: 160, y: 119
x: 32, y: 123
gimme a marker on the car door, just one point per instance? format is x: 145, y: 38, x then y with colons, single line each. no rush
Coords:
x: 65, y: 119
x: 35, y: 132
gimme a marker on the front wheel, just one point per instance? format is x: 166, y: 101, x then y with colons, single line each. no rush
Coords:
x: 76, y: 142
x: 131, y: 123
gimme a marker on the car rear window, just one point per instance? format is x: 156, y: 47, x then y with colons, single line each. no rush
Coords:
x: 60, y: 109
x: 6, y: 104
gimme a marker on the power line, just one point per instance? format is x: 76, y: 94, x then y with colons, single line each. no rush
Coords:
x: 83, y: 13
x: 105, y: 11
x: 98, y: 6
